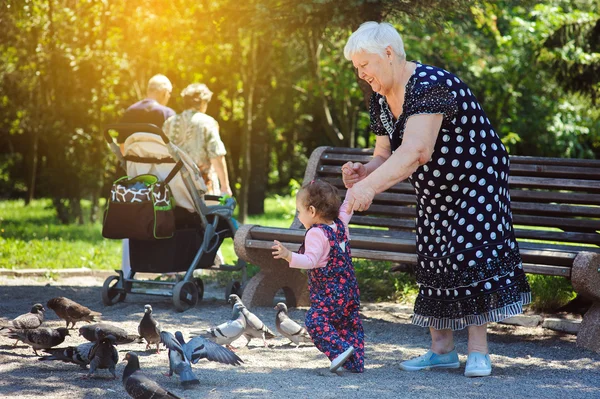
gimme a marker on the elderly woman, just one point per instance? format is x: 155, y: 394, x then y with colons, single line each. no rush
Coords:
x: 198, y: 135
x: 432, y: 131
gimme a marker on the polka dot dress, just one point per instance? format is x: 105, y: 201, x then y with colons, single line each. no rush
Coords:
x: 469, y: 268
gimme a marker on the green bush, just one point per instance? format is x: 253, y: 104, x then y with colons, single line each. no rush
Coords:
x: 377, y: 283
x: 549, y: 292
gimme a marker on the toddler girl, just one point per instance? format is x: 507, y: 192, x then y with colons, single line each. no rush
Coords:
x: 332, y: 321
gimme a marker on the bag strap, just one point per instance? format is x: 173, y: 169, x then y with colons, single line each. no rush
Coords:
x: 175, y: 170
x: 137, y: 159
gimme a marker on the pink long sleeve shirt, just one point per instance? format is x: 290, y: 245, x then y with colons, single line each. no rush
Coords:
x: 316, y: 244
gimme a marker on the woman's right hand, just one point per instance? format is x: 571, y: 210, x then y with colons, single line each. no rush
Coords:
x: 352, y: 173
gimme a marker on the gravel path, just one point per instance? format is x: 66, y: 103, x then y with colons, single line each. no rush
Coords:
x: 528, y: 362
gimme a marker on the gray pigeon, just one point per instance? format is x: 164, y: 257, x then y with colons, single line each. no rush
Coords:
x: 103, y: 355
x: 138, y: 385
x: 72, y: 354
x: 255, y: 328
x: 149, y: 329
x: 89, y: 332
x: 40, y: 338
x: 71, y: 311
x: 182, y: 355
x: 27, y: 321
x: 289, y: 328
x: 226, y: 333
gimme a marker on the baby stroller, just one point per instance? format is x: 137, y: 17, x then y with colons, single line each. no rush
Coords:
x: 202, y: 222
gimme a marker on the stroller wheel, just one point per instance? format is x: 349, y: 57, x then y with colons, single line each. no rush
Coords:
x: 185, y: 295
x: 110, y: 293
x: 234, y: 287
x: 200, y: 286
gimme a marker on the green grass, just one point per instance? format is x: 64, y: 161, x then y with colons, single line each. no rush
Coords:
x: 31, y: 237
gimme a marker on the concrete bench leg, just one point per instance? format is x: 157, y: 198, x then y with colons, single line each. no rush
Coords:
x: 261, y: 289
x: 275, y: 274
x: 585, y: 277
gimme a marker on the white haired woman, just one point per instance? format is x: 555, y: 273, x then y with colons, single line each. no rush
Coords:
x: 432, y: 131
x: 198, y: 135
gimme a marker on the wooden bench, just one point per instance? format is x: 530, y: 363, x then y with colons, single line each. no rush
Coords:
x: 556, y: 211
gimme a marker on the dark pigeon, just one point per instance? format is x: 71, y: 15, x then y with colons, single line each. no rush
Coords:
x: 71, y: 311
x: 138, y: 385
x: 149, y: 329
x: 103, y: 355
x: 89, y: 332
x: 40, y: 338
x: 182, y: 355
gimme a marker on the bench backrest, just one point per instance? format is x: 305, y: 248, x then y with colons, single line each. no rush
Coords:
x: 553, y: 200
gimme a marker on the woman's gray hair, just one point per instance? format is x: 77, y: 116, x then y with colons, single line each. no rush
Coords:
x: 197, y: 92
x: 374, y: 37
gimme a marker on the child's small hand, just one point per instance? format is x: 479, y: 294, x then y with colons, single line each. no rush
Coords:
x: 281, y: 252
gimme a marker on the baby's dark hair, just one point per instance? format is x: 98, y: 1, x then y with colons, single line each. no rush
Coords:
x: 323, y: 196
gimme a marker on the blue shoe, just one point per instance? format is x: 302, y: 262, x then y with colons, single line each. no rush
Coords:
x: 432, y: 360
x: 478, y: 365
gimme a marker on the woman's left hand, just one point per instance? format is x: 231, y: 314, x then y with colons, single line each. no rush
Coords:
x: 360, y: 196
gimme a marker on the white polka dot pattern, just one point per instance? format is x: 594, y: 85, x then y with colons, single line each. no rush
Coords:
x: 465, y: 239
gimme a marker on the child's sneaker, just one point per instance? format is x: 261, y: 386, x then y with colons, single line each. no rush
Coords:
x: 432, y: 360
x: 341, y: 359
x: 478, y: 365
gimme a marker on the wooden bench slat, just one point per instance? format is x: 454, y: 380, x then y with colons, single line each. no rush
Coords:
x: 520, y: 159
x: 547, y: 270
x: 514, y: 159
x: 587, y: 238
x: 403, y: 224
x: 560, y: 171
x: 561, y: 223
x: 395, y: 199
x: 561, y: 184
x: 539, y: 196
x: 333, y: 162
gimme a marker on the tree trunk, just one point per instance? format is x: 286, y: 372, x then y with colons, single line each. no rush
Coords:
x: 249, y: 87
x: 33, y: 169
x: 260, y: 162
x: 76, y: 211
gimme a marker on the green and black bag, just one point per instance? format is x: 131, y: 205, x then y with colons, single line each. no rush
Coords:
x: 140, y: 207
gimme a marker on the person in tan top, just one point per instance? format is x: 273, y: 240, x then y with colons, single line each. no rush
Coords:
x: 197, y: 134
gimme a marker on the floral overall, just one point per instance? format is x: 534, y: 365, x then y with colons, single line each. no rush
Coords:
x: 333, y: 321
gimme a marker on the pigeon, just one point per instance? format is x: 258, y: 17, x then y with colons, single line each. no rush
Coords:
x: 89, y: 332
x: 71, y: 311
x: 289, y: 328
x: 40, y: 338
x: 72, y: 354
x: 149, y: 329
x: 255, y: 328
x: 226, y: 333
x: 27, y: 321
x: 138, y: 385
x: 182, y: 355
x: 103, y: 355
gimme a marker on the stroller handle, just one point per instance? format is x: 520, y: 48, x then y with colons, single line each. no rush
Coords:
x: 134, y: 128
